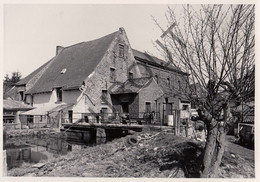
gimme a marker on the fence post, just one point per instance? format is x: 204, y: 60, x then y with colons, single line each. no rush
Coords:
x: 178, y: 123
x: 175, y: 123
x: 59, y: 118
x: 4, y: 163
x: 187, y: 125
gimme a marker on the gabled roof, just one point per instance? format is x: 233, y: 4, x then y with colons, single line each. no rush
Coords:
x: 10, y: 104
x: 10, y: 93
x: 152, y: 60
x: 78, y: 61
x: 30, y: 76
x: 133, y: 85
x: 148, y: 57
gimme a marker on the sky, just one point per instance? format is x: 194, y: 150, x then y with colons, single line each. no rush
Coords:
x: 32, y: 32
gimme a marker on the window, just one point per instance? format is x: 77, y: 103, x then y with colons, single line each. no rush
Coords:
x: 179, y: 83
x: 70, y: 116
x: 31, y: 102
x: 86, y: 119
x: 168, y: 82
x: 9, y: 119
x: 59, y: 94
x: 130, y: 75
x: 166, y: 100
x: 148, y: 107
x: 104, y: 94
x: 30, y: 119
x: 185, y: 107
x: 21, y: 95
x: 112, y: 74
x: 156, y: 78
x: 103, y: 110
x: 121, y: 50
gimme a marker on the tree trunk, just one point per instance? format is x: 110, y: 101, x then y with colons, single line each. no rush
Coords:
x: 209, y: 148
x: 215, y: 145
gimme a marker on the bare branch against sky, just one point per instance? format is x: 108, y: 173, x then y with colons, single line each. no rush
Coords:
x: 32, y: 31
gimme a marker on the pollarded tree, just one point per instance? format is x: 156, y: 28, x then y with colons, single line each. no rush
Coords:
x: 215, y: 44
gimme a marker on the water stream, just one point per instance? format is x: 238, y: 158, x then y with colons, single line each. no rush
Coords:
x: 34, y: 149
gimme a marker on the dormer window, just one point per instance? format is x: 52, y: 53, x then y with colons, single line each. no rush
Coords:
x: 63, y: 71
x: 121, y: 51
x: 21, y: 96
x: 59, y: 94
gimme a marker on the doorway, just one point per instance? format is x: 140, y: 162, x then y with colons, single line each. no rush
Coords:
x: 167, y: 110
x: 125, y: 107
x: 104, y: 114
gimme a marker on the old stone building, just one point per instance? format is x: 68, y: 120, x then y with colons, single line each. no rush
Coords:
x: 104, y: 76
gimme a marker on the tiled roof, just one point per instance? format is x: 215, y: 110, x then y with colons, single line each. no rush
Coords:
x: 78, y: 61
x: 10, y: 93
x: 147, y: 58
x: 30, y: 76
x: 132, y: 85
x: 10, y: 104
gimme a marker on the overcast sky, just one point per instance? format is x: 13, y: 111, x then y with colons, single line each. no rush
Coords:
x: 32, y: 32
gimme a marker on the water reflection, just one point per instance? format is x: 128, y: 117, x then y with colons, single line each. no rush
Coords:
x: 35, y: 149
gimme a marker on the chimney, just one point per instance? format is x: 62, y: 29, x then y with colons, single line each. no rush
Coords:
x: 59, y: 49
x: 121, y: 29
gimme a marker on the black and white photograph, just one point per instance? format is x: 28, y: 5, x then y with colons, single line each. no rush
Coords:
x: 138, y: 90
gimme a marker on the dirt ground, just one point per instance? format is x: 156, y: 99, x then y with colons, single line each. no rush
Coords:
x: 146, y: 154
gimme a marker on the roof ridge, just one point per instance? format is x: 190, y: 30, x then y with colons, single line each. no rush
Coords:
x: 147, y: 77
x: 89, y: 40
x: 150, y: 59
x: 73, y: 45
x: 148, y: 54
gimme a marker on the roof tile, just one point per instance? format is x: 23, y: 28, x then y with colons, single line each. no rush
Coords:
x: 79, y: 60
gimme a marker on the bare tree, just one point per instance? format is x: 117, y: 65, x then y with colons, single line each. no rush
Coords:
x: 215, y: 44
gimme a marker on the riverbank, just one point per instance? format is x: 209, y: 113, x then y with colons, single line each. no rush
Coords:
x: 32, y: 132
x: 145, y: 154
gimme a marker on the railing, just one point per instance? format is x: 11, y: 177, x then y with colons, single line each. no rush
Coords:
x: 31, y: 122
x: 152, y: 118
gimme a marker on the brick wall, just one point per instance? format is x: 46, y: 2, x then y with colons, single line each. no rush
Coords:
x: 172, y: 83
x: 134, y: 106
x: 100, y: 79
x: 150, y: 93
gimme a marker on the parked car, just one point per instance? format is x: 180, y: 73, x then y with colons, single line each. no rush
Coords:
x: 246, y: 133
